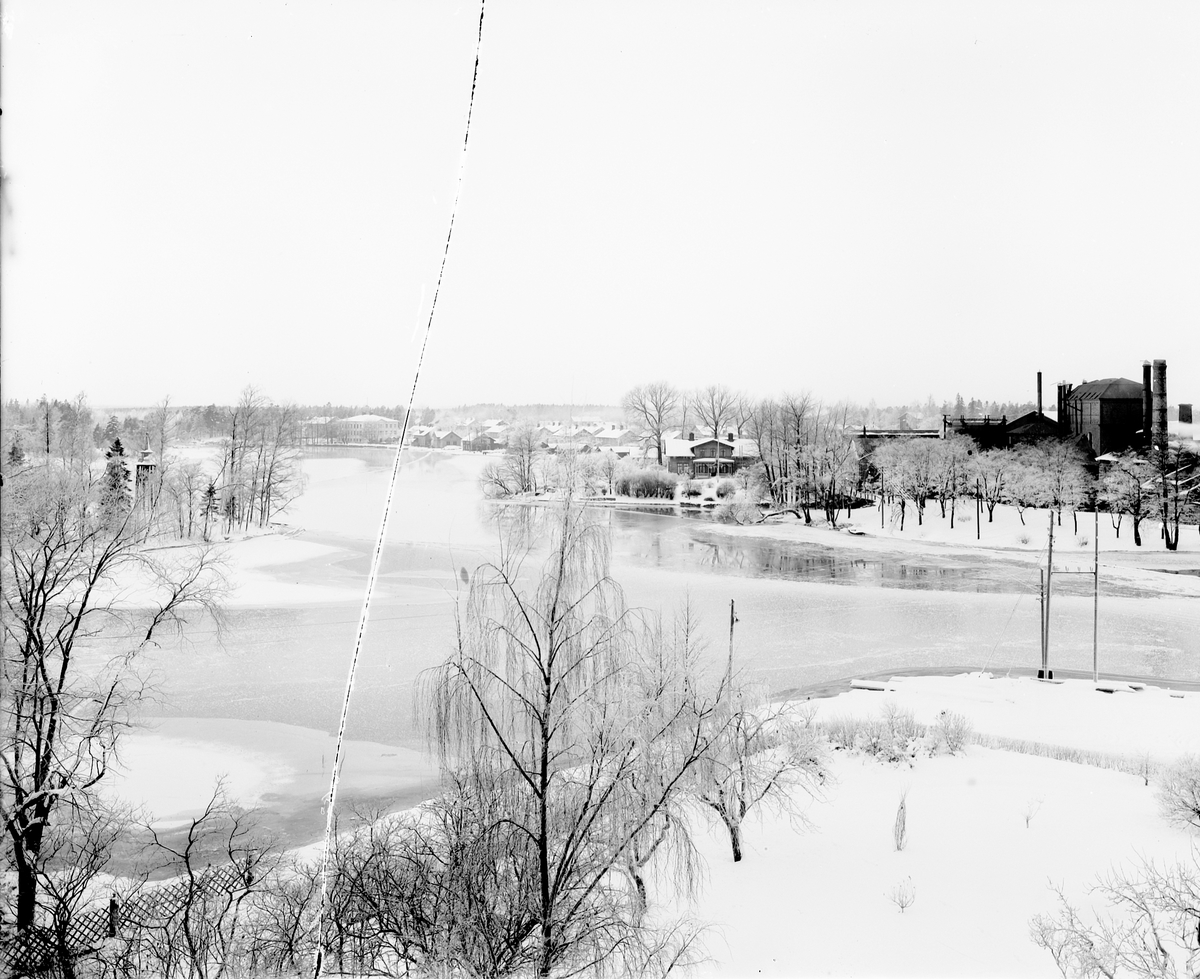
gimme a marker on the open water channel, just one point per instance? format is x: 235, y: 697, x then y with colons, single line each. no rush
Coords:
x: 808, y: 613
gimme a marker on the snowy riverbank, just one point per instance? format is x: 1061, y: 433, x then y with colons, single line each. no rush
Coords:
x: 818, y: 902
x: 988, y: 830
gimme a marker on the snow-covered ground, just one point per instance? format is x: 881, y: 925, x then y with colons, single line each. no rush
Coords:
x: 1005, y: 531
x: 817, y: 902
x: 988, y: 830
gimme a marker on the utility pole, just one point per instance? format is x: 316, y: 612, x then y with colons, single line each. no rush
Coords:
x: 1096, y: 603
x: 732, y: 620
x: 978, y: 508
x: 1046, y: 673
x: 1042, y: 617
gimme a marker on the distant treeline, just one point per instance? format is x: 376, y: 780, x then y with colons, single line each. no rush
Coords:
x: 38, y: 422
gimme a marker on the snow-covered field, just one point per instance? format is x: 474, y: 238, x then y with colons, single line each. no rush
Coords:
x: 1005, y: 532
x: 818, y: 902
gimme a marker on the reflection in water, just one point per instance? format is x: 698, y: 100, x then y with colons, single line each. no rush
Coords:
x: 660, y: 541
x: 807, y: 612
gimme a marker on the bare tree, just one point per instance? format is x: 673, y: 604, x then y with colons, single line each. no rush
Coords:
x: 715, y: 406
x: 767, y: 427
x: 61, y: 569
x: 160, y: 431
x: 1153, y: 929
x: 950, y: 462
x: 654, y: 405
x: 906, y: 471
x: 1027, y: 483
x: 260, y: 465
x: 1179, y: 485
x: 1060, y: 465
x: 236, y: 465
x: 607, y: 463
x: 1179, y: 793
x: 542, y: 711
x: 992, y: 469
x: 826, y: 467
x: 522, y: 457
x: 519, y: 471
x: 1128, y: 488
x: 74, y: 433
x: 77, y: 849
x: 767, y: 753
x: 184, y: 487
x: 196, y: 923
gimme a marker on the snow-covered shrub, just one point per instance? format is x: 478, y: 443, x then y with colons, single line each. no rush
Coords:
x: 739, y: 511
x: 1145, y: 768
x: 1179, y: 792
x: 903, y: 894
x: 900, y: 829
x: 692, y: 488
x: 755, y: 482
x: 841, y: 732
x: 725, y: 489
x: 905, y: 736
x: 1142, y: 766
x: 1022, y: 538
x: 646, y: 484
x: 953, y: 731
x: 1082, y: 540
x: 895, y: 736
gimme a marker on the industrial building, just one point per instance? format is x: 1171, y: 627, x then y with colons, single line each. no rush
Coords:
x: 1107, y: 415
x: 1115, y: 413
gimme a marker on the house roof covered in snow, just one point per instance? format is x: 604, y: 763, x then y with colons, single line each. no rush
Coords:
x: 677, y: 448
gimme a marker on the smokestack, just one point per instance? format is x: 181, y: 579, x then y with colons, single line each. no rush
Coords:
x: 1039, y: 393
x: 1147, y: 410
x: 1159, y: 425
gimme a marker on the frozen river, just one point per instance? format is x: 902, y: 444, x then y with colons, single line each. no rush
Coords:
x: 808, y: 613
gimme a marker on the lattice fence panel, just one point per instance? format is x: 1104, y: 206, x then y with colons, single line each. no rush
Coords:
x: 35, y: 954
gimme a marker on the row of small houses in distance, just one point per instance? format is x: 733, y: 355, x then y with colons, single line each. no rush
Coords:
x: 691, y: 456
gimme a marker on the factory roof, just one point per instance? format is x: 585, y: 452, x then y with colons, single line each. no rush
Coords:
x: 1107, y: 389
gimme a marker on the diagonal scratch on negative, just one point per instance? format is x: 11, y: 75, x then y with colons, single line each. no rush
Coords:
x: 387, y: 508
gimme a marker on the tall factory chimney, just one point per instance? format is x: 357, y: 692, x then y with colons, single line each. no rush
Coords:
x: 1158, y: 426
x: 1039, y: 394
x: 1147, y: 404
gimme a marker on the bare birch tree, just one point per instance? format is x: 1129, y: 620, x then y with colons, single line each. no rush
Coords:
x: 260, y: 463
x: 543, y: 709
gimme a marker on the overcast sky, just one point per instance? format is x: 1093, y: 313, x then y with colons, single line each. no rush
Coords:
x: 862, y: 200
